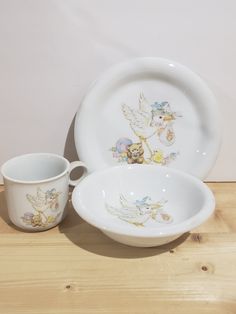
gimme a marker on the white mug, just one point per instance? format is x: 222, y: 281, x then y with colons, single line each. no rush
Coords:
x: 36, y: 189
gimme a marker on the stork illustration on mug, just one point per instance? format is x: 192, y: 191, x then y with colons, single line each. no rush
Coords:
x: 45, y: 207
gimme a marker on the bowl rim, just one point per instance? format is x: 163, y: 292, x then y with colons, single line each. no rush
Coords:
x: 149, y: 232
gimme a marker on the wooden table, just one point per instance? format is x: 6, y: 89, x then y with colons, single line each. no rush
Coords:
x: 74, y: 268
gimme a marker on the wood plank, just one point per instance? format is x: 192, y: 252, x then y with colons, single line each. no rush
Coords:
x: 54, y: 271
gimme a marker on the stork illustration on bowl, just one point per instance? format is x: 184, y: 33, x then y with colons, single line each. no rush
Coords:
x: 139, y: 212
x: 147, y: 122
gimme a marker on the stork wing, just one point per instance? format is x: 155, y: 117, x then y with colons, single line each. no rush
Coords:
x: 126, y: 203
x: 31, y: 199
x: 137, y: 118
x: 123, y: 213
x: 40, y: 196
x: 143, y: 104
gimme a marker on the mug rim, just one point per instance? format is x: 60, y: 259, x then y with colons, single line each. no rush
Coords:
x: 35, y: 181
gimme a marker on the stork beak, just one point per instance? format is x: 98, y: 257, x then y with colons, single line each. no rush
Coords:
x: 169, y: 118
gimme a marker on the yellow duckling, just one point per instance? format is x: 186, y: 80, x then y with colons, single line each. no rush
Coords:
x: 158, y: 157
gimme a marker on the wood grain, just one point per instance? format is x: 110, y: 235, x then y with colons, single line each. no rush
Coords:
x: 74, y: 268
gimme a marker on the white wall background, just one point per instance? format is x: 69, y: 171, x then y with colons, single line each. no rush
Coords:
x: 51, y: 50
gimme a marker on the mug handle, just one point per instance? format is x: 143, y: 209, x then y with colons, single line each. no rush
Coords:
x: 77, y: 164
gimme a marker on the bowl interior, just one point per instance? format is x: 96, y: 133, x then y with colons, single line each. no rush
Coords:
x: 139, y: 197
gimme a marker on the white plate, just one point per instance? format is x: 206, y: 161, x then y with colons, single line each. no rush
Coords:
x: 152, y: 111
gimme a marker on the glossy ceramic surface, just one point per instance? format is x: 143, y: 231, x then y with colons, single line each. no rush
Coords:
x: 36, y: 189
x: 149, y: 111
x: 143, y: 205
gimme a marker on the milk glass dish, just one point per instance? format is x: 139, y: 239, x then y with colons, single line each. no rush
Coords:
x: 143, y: 205
x: 149, y: 111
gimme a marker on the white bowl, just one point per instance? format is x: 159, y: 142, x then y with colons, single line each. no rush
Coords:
x: 143, y: 205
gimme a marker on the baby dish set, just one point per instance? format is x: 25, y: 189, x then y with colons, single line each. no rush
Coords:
x: 147, y: 133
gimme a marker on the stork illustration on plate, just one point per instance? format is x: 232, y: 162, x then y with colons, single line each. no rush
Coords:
x: 150, y: 124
